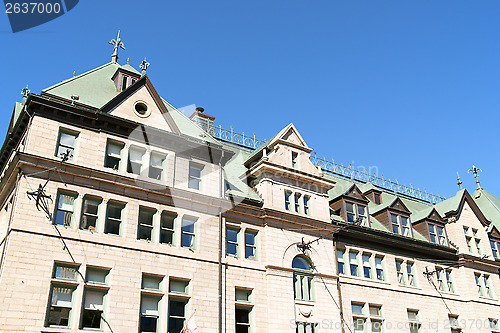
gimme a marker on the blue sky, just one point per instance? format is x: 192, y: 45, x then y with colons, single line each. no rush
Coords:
x: 409, y: 87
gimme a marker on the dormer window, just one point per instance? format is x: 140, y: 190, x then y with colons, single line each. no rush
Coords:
x: 124, y: 79
x: 377, y: 198
x: 401, y: 225
x: 437, y: 235
x: 356, y: 211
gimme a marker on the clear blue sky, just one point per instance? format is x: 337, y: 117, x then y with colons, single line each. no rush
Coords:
x: 411, y: 87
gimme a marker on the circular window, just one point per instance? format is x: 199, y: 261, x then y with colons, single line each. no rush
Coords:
x: 141, y: 109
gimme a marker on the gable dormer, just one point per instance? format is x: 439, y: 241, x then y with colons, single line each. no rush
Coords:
x: 494, y: 235
x: 124, y: 77
x: 352, y: 206
x: 395, y: 216
x: 429, y: 223
x: 285, y: 177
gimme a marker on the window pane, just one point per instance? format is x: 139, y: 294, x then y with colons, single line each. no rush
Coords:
x: 242, y: 316
x: 115, y: 211
x: 67, y: 139
x: 188, y: 225
x: 62, y: 296
x: 151, y: 282
x: 301, y: 263
x: 242, y: 295
x: 65, y: 272
x: 232, y: 235
x: 357, y: 308
x: 176, y: 308
x: 178, y: 286
x: 195, y: 171
x: 96, y: 275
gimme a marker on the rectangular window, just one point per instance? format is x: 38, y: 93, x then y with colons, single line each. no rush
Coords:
x: 487, y: 286
x: 113, y: 218
x: 432, y: 234
x: 294, y: 159
x: 242, y: 320
x: 178, y: 286
x: 353, y: 263
x: 65, y: 272
x: 242, y: 295
x: 440, y: 279
x: 61, y: 304
x: 379, y: 268
x: 176, y: 315
x: 357, y: 308
x: 145, y: 228
x: 297, y: 203
x: 414, y: 322
x: 135, y: 157
x: 377, y: 198
x: 479, y: 286
x: 442, y: 236
x: 399, y: 270
x: 395, y: 224
x: 340, y: 261
x: 65, y: 209
x: 359, y: 324
x: 195, y: 176
x: 188, y: 232
x: 288, y: 194
x: 90, y: 210
x: 303, y: 286
x: 367, y: 270
x: 306, y: 327
x: 167, y: 227
x: 449, y: 281
x: 250, y: 245
x: 149, y: 314
x: 478, y: 246
x: 410, y: 274
x: 156, y: 162
x: 96, y: 275
x: 375, y: 310
x: 232, y: 242
x: 362, y: 215
x: 405, y: 224
x: 113, y: 155
x: 93, y: 309
x: 495, y: 247
x: 454, y: 324
x: 351, y: 215
x: 494, y: 324
x: 306, y: 204
x: 66, y: 144
x: 150, y: 282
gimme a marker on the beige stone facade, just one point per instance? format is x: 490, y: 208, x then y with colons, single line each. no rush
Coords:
x: 153, y: 221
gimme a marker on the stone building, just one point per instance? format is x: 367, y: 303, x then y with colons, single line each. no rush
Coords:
x: 121, y: 214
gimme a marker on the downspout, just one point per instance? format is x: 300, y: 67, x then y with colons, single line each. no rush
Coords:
x: 339, y: 287
x: 221, y: 195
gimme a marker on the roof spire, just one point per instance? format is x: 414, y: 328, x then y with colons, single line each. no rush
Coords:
x: 144, y: 66
x: 475, y: 170
x: 25, y: 92
x: 459, y: 181
x: 117, y: 44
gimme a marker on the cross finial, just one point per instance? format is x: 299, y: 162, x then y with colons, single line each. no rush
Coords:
x: 459, y: 181
x: 474, y: 171
x: 144, y: 66
x: 25, y: 92
x: 117, y: 44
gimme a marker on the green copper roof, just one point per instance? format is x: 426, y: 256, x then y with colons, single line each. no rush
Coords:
x: 130, y: 68
x: 94, y: 88
x: 450, y: 204
x: 489, y: 205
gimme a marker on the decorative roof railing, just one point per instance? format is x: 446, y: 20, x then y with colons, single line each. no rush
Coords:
x: 239, y: 139
x: 347, y: 172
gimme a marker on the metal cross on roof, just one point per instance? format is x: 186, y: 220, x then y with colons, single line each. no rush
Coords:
x: 474, y: 171
x: 25, y: 92
x: 459, y: 181
x: 117, y: 44
x: 144, y: 66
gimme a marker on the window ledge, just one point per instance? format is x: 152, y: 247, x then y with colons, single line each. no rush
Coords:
x: 303, y: 302
x: 179, y: 295
x: 243, y: 304
x: 364, y: 279
x: 152, y: 292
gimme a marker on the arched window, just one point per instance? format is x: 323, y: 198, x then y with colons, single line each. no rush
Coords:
x: 302, y: 279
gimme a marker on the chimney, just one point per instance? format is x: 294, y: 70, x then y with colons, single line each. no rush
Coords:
x: 205, y: 121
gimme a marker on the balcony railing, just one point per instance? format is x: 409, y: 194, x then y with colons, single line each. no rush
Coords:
x: 348, y: 172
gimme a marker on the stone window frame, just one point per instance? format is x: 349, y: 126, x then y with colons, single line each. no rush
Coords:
x: 73, y: 150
